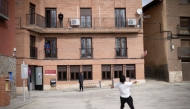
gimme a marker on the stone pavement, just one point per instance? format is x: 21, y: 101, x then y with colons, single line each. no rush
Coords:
x: 152, y: 95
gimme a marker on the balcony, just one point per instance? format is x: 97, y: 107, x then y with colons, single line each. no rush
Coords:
x: 184, y: 52
x: 183, y: 30
x: 4, y: 10
x: 33, y: 52
x: 121, y: 52
x: 52, y: 53
x: 40, y: 24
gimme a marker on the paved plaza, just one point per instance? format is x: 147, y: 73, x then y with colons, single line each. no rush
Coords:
x: 152, y: 95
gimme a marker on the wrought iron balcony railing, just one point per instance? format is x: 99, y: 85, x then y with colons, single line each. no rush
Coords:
x: 33, y: 52
x: 51, y: 53
x: 35, y: 19
x: 86, y: 52
x: 183, y: 29
x: 121, y: 52
x: 184, y: 52
x: 96, y: 23
x: 4, y: 9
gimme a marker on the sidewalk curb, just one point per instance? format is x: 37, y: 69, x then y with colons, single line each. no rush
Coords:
x: 19, y: 105
x: 24, y: 104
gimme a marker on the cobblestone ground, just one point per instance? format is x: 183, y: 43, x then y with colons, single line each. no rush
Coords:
x: 152, y: 95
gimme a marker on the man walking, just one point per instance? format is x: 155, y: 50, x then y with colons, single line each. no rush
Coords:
x: 124, y: 89
x: 81, y: 79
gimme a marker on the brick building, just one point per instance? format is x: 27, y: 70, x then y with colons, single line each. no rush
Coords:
x: 167, y: 40
x: 7, y: 45
x: 101, y: 38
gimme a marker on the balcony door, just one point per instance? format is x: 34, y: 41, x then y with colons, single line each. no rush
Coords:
x: 86, y: 18
x: 120, y: 18
x: 51, y: 21
x: 32, y: 13
x: 33, y: 49
x: 86, y: 47
x: 121, y: 47
x: 53, y: 48
x: 185, y: 25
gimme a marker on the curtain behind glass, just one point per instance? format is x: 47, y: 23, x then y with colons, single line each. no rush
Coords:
x: 83, y: 48
x: 54, y: 53
x: 89, y: 49
x: 53, y: 18
x: 117, y: 46
x: 82, y: 18
x: 88, y: 21
x: 123, y: 47
x: 116, y: 18
x: 120, y: 18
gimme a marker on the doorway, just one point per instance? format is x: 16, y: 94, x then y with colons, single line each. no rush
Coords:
x: 35, y: 78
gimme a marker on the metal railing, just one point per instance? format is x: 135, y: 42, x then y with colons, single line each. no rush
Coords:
x: 4, y: 8
x: 52, y: 53
x: 121, y: 52
x: 184, y: 52
x: 96, y: 23
x: 35, y: 19
x: 86, y: 52
x: 183, y: 29
x: 33, y: 52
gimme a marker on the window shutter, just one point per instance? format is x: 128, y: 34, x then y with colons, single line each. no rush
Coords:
x: 118, y: 68
x: 75, y: 69
x: 130, y: 67
x: 184, y: 1
x: 106, y: 68
x: 87, y: 68
x: 62, y: 68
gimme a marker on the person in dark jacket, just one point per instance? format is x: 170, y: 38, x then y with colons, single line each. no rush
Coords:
x: 60, y: 16
x: 81, y: 79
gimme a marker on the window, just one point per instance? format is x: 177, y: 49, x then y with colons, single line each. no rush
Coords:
x: 62, y: 73
x: 32, y: 13
x: 51, y: 18
x: 118, y: 71
x: 4, y: 9
x: 87, y: 72
x: 106, y: 72
x: 74, y: 70
x: 130, y: 71
x: 121, y: 49
x: 184, y: 25
x: 33, y: 49
x: 50, y: 48
x: 120, y: 20
x: 86, y: 47
x: 184, y: 2
x: 85, y: 17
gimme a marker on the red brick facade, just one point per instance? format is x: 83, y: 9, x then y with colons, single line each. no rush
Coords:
x: 68, y: 40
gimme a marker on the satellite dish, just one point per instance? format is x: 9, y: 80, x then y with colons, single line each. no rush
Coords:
x: 139, y: 11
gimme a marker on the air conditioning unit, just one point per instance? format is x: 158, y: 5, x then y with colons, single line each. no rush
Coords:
x: 132, y: 22
x: 75, y: 22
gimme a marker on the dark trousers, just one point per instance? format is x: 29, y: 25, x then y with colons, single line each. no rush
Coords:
x: 129, y: 101
x: 81, y: 86
x: 61, y: 23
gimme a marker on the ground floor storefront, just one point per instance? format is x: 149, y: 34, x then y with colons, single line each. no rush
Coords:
x: 66, y: 72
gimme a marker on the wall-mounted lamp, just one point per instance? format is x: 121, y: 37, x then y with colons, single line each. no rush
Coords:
x: 172, y: 47
x: 14, y: 51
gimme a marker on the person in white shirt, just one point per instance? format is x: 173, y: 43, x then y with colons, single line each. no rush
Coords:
x: 124, y: 89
